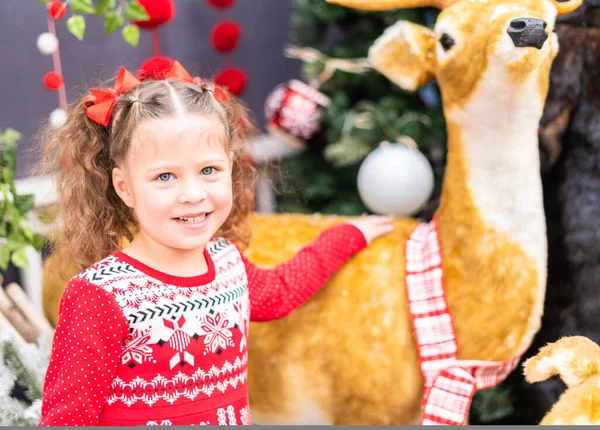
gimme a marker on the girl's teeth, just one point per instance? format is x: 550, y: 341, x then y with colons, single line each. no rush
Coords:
x: 194, y: 220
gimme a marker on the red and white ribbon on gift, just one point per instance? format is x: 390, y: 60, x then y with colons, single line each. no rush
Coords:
x: 449, y: 383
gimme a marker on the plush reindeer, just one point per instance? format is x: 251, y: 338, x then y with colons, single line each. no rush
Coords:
x: 348, y: 356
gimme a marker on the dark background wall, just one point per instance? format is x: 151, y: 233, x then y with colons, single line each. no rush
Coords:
x: 25, y: 104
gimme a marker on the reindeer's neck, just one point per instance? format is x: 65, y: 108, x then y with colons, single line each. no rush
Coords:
x: 491, y: 219
x: 493, y: 182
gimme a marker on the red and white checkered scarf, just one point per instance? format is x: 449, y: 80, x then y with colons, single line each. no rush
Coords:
x: 449, y: 382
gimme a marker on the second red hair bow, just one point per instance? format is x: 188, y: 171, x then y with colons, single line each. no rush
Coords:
x: 100, y: 104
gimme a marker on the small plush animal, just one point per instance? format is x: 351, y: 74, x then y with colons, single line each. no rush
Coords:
x: 576, y: 360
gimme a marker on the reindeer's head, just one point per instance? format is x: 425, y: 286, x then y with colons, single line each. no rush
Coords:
x: 472, y: 39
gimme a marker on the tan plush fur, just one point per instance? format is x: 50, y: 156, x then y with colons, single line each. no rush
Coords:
x: 348, y: 355
x: 577, y: 360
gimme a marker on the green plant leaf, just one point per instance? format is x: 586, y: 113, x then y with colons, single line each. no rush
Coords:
x: 38, y: 241
x: 131, y: 34
x: 19, y: 258
x: 7, y: 175
x: 10, y: 136
x: 28, y: 233
x: 82, y: 6
x: 103, y: 6
x: 76, y: 25
x: 25, y: 203
x: 10, y: 156
x: 12, y: 244
x: 113, y: 22
x: 4, y: 257
x: 15, y: 219
x: 136, y: 12
x: 45, y: 1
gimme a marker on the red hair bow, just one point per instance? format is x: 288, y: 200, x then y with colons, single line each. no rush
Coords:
x: 100, y: 104
x: 177, y: 71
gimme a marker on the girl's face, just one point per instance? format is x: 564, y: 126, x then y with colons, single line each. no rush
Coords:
x: 177, y: 179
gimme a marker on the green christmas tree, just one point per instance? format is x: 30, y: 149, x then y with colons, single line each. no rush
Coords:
x: 365, y: 110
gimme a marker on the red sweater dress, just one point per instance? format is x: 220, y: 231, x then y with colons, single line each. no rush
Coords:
x: 134, y: 346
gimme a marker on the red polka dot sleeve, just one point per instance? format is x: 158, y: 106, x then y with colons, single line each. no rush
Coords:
x: 276, y: 292
x: 85, y: 353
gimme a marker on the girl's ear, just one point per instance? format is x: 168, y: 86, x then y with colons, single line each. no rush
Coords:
x: 121, y: 187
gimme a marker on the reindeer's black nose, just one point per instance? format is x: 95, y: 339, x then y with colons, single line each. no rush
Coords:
x: 528, y: 32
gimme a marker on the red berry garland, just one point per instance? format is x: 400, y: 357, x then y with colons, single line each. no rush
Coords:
x: 225, y: 39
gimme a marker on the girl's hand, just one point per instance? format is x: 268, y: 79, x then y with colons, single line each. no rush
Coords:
x: 373, y: 226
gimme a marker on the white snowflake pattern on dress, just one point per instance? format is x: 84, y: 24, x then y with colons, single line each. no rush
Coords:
x: 162, y: 423
x: 242, y: 322
x: 231, y: 415
x: 245, y: 416
x: 221, y: 417
x: 138, y: 351
x: 218, y: 335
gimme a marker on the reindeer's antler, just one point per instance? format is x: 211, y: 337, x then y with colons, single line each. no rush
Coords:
x: 392, y: 4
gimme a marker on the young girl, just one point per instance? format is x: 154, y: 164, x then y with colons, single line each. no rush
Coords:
x: 156, y: 333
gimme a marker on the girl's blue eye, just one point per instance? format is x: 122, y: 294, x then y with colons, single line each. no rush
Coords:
x: 208, y: 171
x: 164, y: 177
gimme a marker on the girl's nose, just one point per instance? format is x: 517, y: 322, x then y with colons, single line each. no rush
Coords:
x: 192, y: 193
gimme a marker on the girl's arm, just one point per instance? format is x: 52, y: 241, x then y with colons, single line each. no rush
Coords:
x: 85, y: 355
x: 276, y: 292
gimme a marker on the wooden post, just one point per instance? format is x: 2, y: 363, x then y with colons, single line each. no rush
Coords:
x: 24, y: 304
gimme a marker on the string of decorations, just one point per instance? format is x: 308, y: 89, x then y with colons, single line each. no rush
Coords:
x: 225, y: 37
x: 47, y: 44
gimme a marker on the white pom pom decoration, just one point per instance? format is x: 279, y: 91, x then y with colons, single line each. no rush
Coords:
x: 58, y: 117
x: 395, y: 179
x: 47, y: 43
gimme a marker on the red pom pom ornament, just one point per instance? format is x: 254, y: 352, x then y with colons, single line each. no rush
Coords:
x: 233, y: 79
x: 160, y: 11
x: 225, y: 36
x: 53, y: 81
x: 57, y: 10
x: 154, y: 68
x: 221, y: 4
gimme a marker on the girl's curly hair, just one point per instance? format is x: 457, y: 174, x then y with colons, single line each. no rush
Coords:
x: 81, y: 155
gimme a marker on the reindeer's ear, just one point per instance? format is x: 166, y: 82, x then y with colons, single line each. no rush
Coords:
x: 405, y: 54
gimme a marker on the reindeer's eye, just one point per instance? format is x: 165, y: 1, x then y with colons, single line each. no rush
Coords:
x: 446, y: 41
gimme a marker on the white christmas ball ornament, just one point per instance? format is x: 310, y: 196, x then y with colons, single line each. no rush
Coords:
x: 58, y: 117
x: 47, y: 43
x: 395, y: 179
